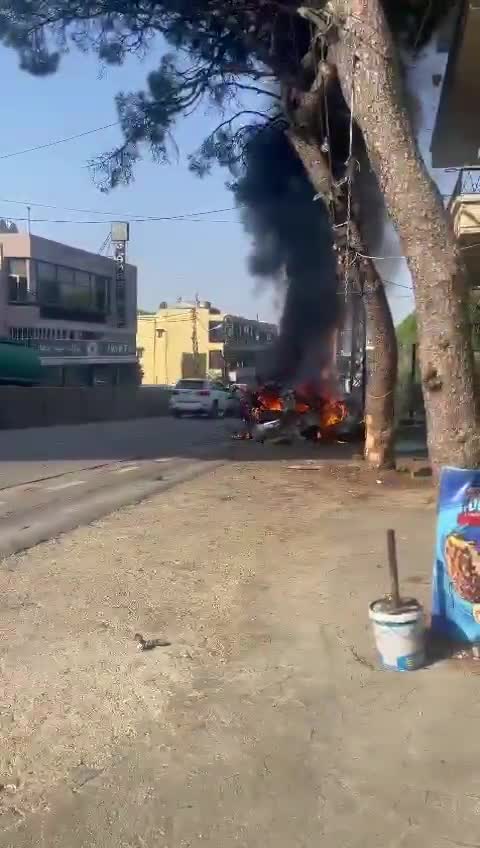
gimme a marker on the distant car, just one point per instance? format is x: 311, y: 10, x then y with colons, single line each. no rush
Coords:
x: 200, y: 397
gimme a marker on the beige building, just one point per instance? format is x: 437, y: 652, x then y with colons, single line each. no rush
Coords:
x: 197, y: 340
x: 72, y: 307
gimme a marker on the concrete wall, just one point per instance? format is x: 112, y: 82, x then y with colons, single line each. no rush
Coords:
x: 48, y: 406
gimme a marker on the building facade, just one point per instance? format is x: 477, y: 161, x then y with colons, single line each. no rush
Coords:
x: 456, y: 139
x: 198, y: 340
x: 456, y: 133
x: 72, y: 306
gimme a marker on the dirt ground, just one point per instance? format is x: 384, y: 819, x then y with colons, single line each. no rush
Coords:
x: 266, y: 723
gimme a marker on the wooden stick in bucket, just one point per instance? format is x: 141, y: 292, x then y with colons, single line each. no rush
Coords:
x: 393, y: 568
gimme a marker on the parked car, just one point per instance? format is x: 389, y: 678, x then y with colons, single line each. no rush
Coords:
x: 201, y: 397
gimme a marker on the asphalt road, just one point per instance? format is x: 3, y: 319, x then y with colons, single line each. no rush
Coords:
x: 53, y: 479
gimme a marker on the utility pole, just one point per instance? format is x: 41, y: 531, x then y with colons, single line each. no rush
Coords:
x: 196, y: 368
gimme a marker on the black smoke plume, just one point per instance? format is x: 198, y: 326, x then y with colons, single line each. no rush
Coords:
x: 293, y: 246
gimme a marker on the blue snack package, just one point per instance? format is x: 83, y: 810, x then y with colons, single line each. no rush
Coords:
x: 456, y: 570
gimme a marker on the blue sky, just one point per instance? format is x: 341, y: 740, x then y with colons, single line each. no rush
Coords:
x: 173, y: 258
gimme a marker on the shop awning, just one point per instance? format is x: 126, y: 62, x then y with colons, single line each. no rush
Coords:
x: 19, y: 365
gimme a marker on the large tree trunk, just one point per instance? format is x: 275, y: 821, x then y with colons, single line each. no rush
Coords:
x: 367, y: 65
x: 382, y: 365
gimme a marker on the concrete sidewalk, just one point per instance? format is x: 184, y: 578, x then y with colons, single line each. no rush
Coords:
x: 266, y: 723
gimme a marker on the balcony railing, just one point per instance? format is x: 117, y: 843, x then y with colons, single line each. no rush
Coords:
x: 468, y: 182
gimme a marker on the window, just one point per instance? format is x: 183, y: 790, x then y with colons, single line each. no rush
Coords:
x: 216, y: 331
x: 190, y: 384
x: 215, y: 360
x: 17, y: 281
x: 101, y: 289
x: 47, y: 286
x: 82, y: 278
x: 72, y: 294
x: 66, y: 275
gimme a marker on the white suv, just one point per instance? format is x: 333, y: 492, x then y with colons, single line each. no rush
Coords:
x: 201, y: 397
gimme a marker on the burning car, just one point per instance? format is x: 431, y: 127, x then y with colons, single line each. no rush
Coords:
x: 274, y: 412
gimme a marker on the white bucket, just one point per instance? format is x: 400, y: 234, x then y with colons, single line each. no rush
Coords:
x: 399, y: 635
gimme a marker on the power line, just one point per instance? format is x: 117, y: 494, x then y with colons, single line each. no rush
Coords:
x: 399, y: 285
x: 365, y: 256
x: 396, y: 258
x: 113, y: 214
x: 166, y: 218
x: 58, y: 141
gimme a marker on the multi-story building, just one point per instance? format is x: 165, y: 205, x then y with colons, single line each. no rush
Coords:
x: 456, y: 134
x: 196, y: 339
x: 72, y: 306
x: 456, y: 137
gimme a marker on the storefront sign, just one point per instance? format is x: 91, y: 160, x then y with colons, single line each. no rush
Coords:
x: 88, y: 349
x: 119, y: 253
x: 117, y: 348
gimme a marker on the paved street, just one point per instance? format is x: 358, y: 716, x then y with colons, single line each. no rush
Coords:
x: 55, y: 478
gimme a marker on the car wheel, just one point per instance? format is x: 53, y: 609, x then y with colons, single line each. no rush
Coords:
x: 176, y: 413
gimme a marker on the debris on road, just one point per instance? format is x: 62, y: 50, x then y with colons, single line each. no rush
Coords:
x: 150, y: 644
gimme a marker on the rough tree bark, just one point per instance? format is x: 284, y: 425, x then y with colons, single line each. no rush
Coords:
x: 382, y: 366
x: 361, y: 48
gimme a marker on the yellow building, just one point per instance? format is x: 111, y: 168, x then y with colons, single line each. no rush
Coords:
x: 197, y: 340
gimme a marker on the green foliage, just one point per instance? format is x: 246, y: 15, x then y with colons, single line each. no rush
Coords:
x: 407, y: 331
x: 221, y: 48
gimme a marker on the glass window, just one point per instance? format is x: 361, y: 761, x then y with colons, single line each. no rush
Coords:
x: 101, y: 289
x: 48, y: 291
x: 70, y: 290
x: 17, y: 281
x: 191, y: 384
x: 46, y: 271
x: 216, y: 331
x: 65, y: 275
x: 82, y: 278
x: 17, y: 289
x: 17, y: 267
x: 215, y: 360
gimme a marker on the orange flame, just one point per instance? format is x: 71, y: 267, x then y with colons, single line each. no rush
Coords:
x: 330, y: 411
